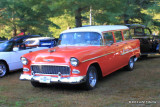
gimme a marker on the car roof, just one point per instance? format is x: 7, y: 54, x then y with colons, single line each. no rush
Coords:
x: 17, y: 38
x: 136, y: 25
x: 99, y: 29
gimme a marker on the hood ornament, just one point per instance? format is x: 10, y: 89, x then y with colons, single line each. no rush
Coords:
x: 48, y: 60
x: 52, y: 50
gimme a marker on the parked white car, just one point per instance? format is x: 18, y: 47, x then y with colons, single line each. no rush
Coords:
x: 10, y: 54
x: 33, y: 42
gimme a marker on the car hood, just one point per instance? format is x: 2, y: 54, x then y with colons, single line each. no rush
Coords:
x: 63, y: 54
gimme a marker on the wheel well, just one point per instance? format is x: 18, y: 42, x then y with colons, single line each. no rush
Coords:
x: 99, y: 71
x: 134, y: 58
x: 6, y: 64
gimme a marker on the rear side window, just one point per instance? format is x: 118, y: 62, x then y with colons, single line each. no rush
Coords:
x: 108, y: 38
x: 132, y: 32
x: 147, y: 32
x: 118, y: 36
x: 127, y: 35
x: 139, y: 31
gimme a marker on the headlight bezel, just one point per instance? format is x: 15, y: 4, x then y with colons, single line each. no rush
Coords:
x: 24, y: 60
x: 74, y: 61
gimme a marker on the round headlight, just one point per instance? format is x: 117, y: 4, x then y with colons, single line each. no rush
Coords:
x: 74, y: 61
x: 24, y: 61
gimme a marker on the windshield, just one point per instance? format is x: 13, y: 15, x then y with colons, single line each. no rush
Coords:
x: 80, y: 39
x: 6, y: 46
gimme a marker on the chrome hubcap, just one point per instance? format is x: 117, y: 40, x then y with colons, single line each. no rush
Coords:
x: 131, y: 63
x: 92, y: 78
x: 2, y: 70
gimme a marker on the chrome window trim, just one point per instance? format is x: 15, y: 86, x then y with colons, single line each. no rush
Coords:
x: 98, y: 57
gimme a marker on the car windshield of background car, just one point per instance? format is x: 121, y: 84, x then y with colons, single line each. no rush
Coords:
x: 6, y: 46
x: 80, y: 39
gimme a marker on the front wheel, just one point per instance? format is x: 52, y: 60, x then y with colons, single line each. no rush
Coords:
x: 3, y: 69
x: 91, y: 78
x: 130, y: 65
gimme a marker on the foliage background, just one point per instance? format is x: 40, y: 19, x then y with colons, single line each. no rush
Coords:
x: 50, y: 17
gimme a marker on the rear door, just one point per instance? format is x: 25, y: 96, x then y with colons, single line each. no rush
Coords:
x: 110, y: 53
x: 120, y: 46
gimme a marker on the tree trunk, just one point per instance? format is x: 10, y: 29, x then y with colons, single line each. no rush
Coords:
x: 78, y: 17
x: 126, y: 20
x: 14, y: 32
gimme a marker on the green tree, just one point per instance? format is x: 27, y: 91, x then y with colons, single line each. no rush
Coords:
x: 36, y: 16
x: 27, y: 15
x: 65, y: 22
x: 127, y: 11
x: 74, y: 7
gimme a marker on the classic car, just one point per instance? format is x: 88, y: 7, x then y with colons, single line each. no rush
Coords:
x: 149, y: 44
x: 40, y: 41
x: 10, y: 53
x: 83, y: 55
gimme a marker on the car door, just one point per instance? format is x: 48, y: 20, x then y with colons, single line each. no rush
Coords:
x: 16, y: 55
x: 110, y: 53
x: 120, y: 47
x: 15, y: 58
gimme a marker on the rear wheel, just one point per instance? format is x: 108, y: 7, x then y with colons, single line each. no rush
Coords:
x: 130, y: 65
x: 3, y: 69
x: 91, y: 78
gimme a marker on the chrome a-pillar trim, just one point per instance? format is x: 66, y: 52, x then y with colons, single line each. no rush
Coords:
x: 68, y: 80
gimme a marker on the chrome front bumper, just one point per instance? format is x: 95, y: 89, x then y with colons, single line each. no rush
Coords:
x: 49, y: 79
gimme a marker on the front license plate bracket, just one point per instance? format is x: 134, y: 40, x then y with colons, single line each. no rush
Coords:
x: 45, y: 80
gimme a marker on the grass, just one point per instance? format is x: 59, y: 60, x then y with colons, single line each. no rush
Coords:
x: 115, y: 90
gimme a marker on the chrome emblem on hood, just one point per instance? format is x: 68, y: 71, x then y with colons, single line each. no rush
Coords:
x: 48, y: 60
x: 52, y: 50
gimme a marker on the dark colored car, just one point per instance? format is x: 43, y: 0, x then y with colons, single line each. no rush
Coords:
x: 149, y: 44
x: 20, y: 39
x: 2, y: 39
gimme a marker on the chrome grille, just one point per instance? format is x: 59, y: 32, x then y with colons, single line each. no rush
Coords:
x: 50, y: 69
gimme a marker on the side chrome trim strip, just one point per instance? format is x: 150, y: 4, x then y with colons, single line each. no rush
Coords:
x: 129, y: 51
x: 98, y: 57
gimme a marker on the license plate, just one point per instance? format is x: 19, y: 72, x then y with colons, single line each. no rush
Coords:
x: 45, y: 80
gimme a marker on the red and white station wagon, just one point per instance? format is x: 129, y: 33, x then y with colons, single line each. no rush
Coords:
x: 83, y: 54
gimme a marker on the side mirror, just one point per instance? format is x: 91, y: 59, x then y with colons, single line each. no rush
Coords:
x: 15, y: 49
